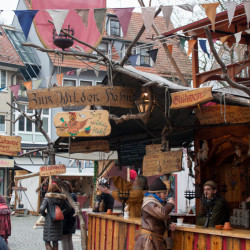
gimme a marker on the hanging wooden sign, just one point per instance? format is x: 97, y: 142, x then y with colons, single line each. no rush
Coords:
x: 10, y: 145
x: 162, y: 163
x: 82, y: 123
x: 89, y: 146
x: 153, y: 148
x: 83, y: 95
x: 189, y: 98
x: 217, y: 114
x: 52, y: 170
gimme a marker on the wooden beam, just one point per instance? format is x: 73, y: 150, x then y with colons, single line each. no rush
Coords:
x: 195, y: 64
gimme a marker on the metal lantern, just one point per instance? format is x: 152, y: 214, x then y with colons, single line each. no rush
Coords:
x: 62, y: 40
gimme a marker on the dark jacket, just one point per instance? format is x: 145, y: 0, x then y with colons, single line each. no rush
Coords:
x: 53, y: 230
x: 108, y: 201
x: 69, y: 222
x: 154, y: 219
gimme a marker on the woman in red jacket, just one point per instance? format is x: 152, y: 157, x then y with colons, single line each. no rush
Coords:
x: 5, y: 223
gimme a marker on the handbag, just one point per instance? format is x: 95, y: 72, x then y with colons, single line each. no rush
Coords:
x: 58, y: 213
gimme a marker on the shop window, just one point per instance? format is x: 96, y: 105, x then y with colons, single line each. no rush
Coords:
x: 69, y: 82
x: 85, y: 83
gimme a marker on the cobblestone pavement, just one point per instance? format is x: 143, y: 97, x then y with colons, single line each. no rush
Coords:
x: 25, y: 237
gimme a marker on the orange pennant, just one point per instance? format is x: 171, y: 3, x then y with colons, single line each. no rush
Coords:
x: 170, y: 48
x: 59, y: 78
x: 210, y: 9
x: 224, y: 38
x: 28, y: 85
x: 191, y: 44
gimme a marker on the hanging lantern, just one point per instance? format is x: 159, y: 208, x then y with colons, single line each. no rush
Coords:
x: 62, y: 40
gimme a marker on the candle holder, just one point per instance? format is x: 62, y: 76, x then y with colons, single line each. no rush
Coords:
x: 123, y: 196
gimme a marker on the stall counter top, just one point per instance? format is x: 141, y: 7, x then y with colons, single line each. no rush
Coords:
x: 237, y: 233
x: 131, y: 220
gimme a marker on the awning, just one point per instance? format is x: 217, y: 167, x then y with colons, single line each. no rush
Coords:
x: 75, y: 172
x: 32, y: 164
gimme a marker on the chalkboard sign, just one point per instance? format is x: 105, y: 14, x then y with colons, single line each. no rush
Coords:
x: 132, y: 154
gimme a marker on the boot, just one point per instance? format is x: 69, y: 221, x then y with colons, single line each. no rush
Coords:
x: 48, y: 247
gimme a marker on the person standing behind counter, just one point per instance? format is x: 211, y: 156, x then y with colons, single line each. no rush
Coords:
x: 217, y: 204
x: 136, y: 192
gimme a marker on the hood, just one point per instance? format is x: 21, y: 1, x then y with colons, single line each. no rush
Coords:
x: 56, y: 196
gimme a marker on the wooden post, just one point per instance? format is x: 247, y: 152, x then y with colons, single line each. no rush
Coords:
x: 195, y: 64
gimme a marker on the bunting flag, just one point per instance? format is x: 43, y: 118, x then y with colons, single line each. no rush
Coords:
x: 28, y: 85
x: 210, y: 9
x: 224, y: 38
x: 191, y: 44
x: 78, y: 72
x: 58, y: 17
x: 25, y: 18
x: 99, y: 15
x: 167, y: 11
x: 187, y: 7
x: 59, y: 78
x: 215, y: 40
x: 153, y: 54
x: 14, y: 89
x: 124, y: 16
x: 36, y: 83
x: 118, y: 46
x: 133, y: 59
x: 238, y: 37
x: 247, y: 10
x: 84, y: 14
x: 47, y: 81
x: 182, y: 42
x: 148, y: 14
x: 96, y: 70
x: 230, y: 6
x: 203, y: 45
x: 70, y: 73
x: 170, y: 48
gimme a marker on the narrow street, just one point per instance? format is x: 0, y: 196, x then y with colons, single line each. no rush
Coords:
x: 25, y: 237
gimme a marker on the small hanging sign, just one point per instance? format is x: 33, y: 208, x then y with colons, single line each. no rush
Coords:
x: 10, y: 145
x: 89, y: 146
x: 52, y: 170
x: 162, y: 163
x: 82, y: 123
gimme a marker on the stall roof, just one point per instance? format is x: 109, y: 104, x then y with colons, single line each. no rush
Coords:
x: 31, y: 164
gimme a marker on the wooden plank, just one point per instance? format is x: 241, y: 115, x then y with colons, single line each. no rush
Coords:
x: 247, y: 244
x: 153, y: 148
x: 89, y: 146
x: 123, y: 236
x: 188, y: 242
x: 233, y: 244
x: 52, y: 170
x: 216, y: 242
x: 6, y: 163
x: 189, y: 98
x: 10, y: 145
x: 82, y: 95
x: 103, y: 234
x: 93, y: 234
x: 162, y: 163
x: 90, y: 218
x: 232, y: 114
x: 116, y: 235
x: 109, y: 240
x: 82, y: 123
x: 131, y: 241
x: 178, y: 239
x: 201, y: 244
x: 97, y: 233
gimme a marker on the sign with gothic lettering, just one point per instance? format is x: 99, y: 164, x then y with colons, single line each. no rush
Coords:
x: 82, y: 123
x: 10, y: 145
x: 52, y: 170
x: 83, y: 95
x: 189, y: 98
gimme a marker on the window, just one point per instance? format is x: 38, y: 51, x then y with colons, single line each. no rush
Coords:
x: 85, y: 83
x: 3, y: 79
x: 144, y: 57
x: 103, y: 47
x: 68, y: 82
x: 115, y: 28
x: 2, y: 123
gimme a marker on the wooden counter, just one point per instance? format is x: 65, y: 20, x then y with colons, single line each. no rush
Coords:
x: 107, y: 232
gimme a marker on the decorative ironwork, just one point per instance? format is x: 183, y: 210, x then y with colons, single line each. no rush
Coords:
x: 62, y: 40
x: 123, y: 196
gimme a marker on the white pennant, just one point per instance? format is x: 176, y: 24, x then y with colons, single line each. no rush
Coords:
x: 247, y: 10
x: 84, y: 14
x: 78, y: 72
x: 230, y: 6
x: 238, y: 37
x: 36, y: 83
x: 148, y: 14
x: 187, y: 7
x: 58, y: 17
x: 167, y: 11
x: 118, y: 46
x: 247, y: 31
x: 96, y: 70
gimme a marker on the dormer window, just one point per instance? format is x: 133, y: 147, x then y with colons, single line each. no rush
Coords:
x: 115, y: 29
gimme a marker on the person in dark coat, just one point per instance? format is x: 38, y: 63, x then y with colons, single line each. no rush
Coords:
x: 69, y: 223
x: 53, y: 230
x: 5, y: 222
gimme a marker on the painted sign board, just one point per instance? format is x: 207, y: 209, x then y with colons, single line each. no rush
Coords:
x: 6, y: 163
x: 189, y: 98
x: 153, y: 148
x: 10, y: 145
x: 89, y: 146
x: 83, y: 95
x: 216, y: 115
x: 162, y: 163
x: 82, y: 123
x: 89, y: 33
x: 49, y: 170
